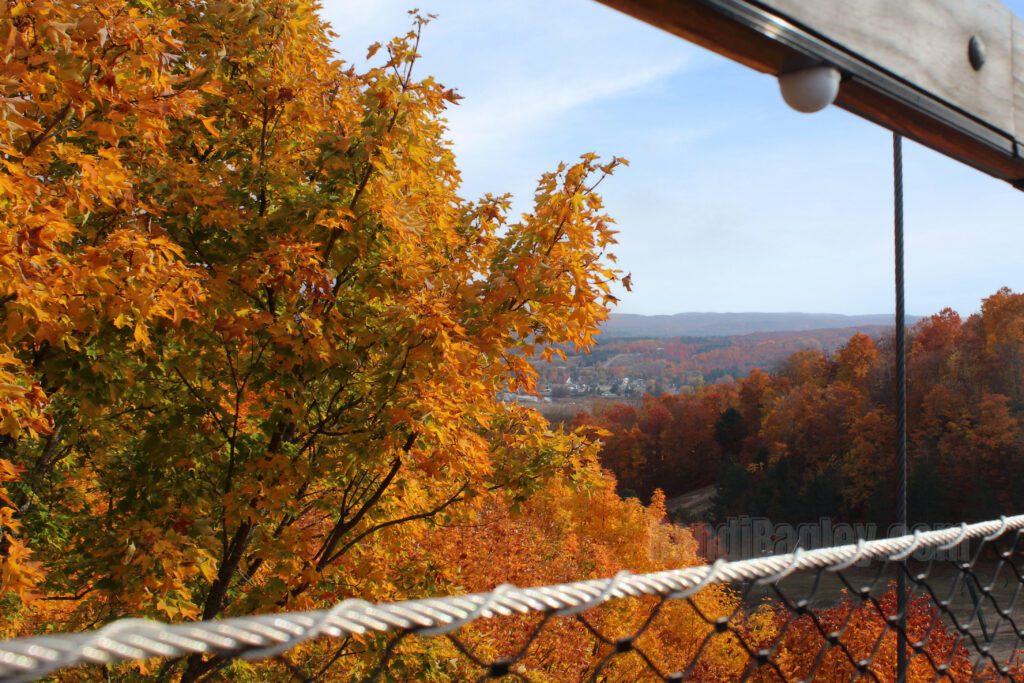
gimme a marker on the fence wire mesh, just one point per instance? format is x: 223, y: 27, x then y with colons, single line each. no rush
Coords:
x: 823, y: 615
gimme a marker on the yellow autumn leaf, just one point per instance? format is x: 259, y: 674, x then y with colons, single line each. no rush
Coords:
x: 208, y: 122
x: 10, y: 425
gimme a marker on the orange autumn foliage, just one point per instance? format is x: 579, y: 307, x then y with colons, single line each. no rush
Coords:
x: 87, y: 101
x: 570, y: 532
x: 574, y: 528
x: 566, y: 533
x: 816, y: 437
x: 238, y: 273
x: 252, y: 338
x: 868, y: 640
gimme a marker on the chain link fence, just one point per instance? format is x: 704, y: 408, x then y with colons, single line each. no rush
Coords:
x: 828, y: 614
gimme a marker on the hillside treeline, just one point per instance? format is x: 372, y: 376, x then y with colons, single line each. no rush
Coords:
x: 817, y: 437
x: 666, y: 365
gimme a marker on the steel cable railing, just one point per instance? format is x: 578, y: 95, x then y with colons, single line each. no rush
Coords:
x: 986, y: 632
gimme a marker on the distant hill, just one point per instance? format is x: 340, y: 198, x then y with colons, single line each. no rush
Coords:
x: 632, y: 326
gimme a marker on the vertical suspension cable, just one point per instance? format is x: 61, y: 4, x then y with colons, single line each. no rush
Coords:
x: 901, y: 403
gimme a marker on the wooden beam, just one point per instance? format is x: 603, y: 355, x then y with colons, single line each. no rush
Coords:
x: 905, y: 63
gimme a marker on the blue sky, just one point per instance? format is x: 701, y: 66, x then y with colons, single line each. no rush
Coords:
x: 732, y: 201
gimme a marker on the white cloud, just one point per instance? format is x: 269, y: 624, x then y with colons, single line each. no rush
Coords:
x: 515, y: 111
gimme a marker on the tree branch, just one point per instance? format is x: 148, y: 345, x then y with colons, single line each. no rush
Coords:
x: 401, y: 520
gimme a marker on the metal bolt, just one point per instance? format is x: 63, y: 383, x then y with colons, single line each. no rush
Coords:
x: 976, y: 52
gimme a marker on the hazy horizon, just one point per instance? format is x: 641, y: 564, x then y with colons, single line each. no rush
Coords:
x: 847, y: 315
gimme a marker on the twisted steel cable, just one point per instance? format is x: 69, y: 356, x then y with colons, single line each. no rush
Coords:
x: 256, y: 637
x: 901, y: 394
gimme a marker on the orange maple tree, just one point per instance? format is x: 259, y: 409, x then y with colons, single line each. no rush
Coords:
x: 248, y: 327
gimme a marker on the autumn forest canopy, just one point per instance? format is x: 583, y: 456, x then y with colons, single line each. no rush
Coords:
x: 253, y: 341
x: 816, y: 437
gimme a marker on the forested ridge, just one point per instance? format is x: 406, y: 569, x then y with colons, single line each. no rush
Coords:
x: 817, y: 437
x: 668, y: 364
x: 252, y: 341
